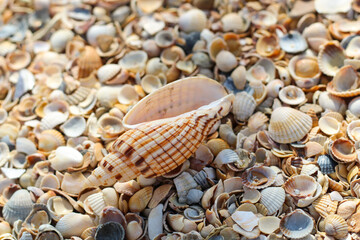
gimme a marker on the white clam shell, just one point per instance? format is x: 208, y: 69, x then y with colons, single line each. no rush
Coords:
x: 96, y: 30
x: 272, y: 198
x: 66, y: 157
x: 74, y: 127
x: 107, y: 72
x: 134, y: 61
x: 243, y: 106
x: 193, y: 20
x: 326, y: 7
x: 73, y: 224
x: 26, y: 146
x: 292, y: 95
x: 128, y: 95
x: 59, y: 39
x: 293, y: 42
x: 333, y: 103
x: 354, y: 106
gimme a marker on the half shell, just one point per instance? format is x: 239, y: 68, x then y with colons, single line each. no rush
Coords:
x: 292, y: 95
x: 345, y: 83
x: 297, y: 224
x: 331, y: 58
x: 259, y: 177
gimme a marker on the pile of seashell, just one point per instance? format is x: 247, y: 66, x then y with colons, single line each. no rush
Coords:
x: 179, y: 119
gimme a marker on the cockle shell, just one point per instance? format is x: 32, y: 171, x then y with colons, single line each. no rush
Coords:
x: 331, y: 58
x: 225, y: 61
x: 215, y: 46
x: 292, y: 95
x: 329, y: 125
x: 296, y: 224
x: 269, y: 224
x: 300, y: 186
x: 193, y: 20
x: 259, y: 177
x: 18, y: 206
x: 233, y: 22
x: 343, y: 151
x: 305, y: 71
x: 18, y: 60
x: 326, y: 164
x: 110, y: 230
x: 324, y: 205
x: 289, y: 125
x: 134, y: 61
x: 336, y: 226
x: 88, y: 61
x: 149, y: 120
x: 272, y: 198
x: 345, y: 83
x: 353, y: 130
x: 268, y: 46
x: 264, y: 18
x: 244, y: 106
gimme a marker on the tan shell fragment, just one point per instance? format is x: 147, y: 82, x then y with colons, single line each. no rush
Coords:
x: 140, y: 199
x: 345, y: 83
x: 289, y: 125
x: 343, y: 150
x: 300, y: 186
x: 246, y: 220
x: 336, y: 226
x: 269, y: 224
x: 305, y: 71
x: 259, y: 177
x: 244, y: 106
x: 325, y: 206
x: 272, y: 198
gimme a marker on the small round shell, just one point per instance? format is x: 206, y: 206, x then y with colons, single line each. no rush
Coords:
x: 305, y: 71
x: 354, y: 106
x: 193, y: 20
x: 225, y: 61
x: 18, y: 60
x: 326, y: 164
x: 215, y: 46
x: 74, y: 127
x: 289, y: 125
x: 73, y: 224
x: 341, y: 6
x: 65, y: 157
x: 233, y: 22
x: 333, y: 103
x: 296, y: 224
x: 329, y: 125
x: 263, y: 70
x: 345, y: 83
x: 292, y: 95
x: 353, y: 130
x: 134, y: 61
x: 331, y: 58
x: 259, y: 177
x: 293, y: 42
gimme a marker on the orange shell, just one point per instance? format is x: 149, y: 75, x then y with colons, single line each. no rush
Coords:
x: 88, y: 61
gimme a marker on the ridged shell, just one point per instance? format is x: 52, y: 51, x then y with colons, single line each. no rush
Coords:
x: 259, y: 177
x: 88, y: 62
x: 353, y: 130
x: 297, y: 224
x: 18, y: 207
x: 49, y: 140
x: 73, y: 224
x: 289, y: 125
x: 300, y: 186
x: 293, y: 42
x: 326, y: 164
x: 272, y: 198
x: 325, y: 206
x: 343, y: 150
x: 331, y: 58
x: 244, y: 106
x: 345, y: 83
x: 336, y: 226
x: 158, y: 120
x: 292, y: 95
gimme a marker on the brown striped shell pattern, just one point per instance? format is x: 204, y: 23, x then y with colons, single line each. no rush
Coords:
x: 165, y: 129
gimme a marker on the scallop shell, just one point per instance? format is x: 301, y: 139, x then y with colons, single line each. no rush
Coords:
x: 293, y: 42
x: 73, y: 224
x: 259, y: 177
x: 326, y: 164
x: 121, y: 164
x: 345, y: 83
x: 325, y: 206
x: 292, y: 95
x: 343, y: 150
x: 300, y: 186
x: 331, y: 58
x: 18, y: 206
x: 336, y: 226
x: 272, y: 198
x: 289, y: 125
x: 263, y: 70
x: 244, y: 106
x: 329, y: 125
x: 193, y: 20
x: 88, y: 62
x: 297, y: 224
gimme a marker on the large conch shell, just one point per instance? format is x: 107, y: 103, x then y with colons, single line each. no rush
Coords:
x: 166, y: 128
